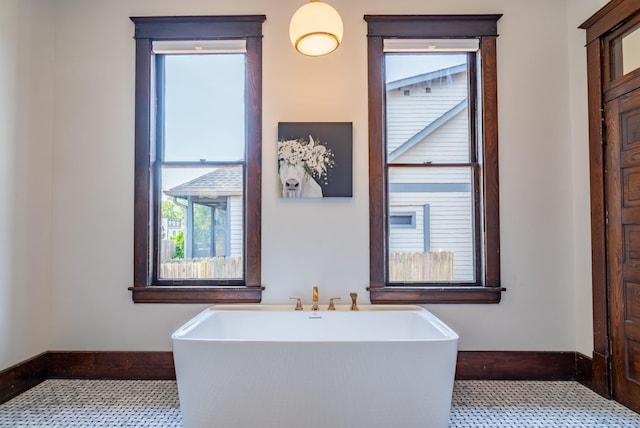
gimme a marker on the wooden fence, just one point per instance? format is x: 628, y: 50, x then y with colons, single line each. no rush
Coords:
x: 209, y: 267
x: 418, y: 266
x: 167, y: 249
x: 421, y: 266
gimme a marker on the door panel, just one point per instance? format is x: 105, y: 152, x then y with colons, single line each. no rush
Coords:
x: 632, y: 294
x: 631, y: 186
x: 622, y: 158
x: 631, y: 244
x: 630, y: 128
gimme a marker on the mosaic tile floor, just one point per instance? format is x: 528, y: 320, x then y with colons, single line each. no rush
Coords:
x: 486, y: 404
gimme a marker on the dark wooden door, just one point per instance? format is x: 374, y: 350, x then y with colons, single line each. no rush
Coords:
x: 622, y: 187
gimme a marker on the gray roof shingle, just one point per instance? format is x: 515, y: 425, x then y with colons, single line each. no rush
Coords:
x: 219, y: 182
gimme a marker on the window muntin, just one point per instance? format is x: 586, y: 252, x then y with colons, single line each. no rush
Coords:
x: 395, y: 154
x: 165, y: 165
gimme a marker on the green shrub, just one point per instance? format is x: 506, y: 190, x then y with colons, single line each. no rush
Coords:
x: 179, y: 238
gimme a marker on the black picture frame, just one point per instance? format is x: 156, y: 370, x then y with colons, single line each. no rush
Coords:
x: 335, y: 136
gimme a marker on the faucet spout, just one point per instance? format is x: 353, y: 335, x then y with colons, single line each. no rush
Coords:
x: 315, y: 299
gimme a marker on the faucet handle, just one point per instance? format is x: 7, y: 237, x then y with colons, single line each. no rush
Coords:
x: 354, y: 306
x: 298, y: 303
x: 331, y: 305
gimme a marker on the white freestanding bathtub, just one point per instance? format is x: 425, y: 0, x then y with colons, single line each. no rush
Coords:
x: 268, y: 366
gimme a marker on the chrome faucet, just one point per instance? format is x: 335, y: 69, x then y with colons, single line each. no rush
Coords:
x: 315, y: 299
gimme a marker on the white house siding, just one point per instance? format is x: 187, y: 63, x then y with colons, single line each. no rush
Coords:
x: 407, y: 239
x: 407, y: 115
x: 448, y: 144
x: 235, y: 225
x: 451, y: 215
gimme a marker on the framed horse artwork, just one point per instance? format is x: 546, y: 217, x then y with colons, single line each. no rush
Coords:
x: 315, y: 159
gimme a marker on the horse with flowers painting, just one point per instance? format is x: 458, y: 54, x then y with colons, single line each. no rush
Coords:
x: 300, y: 164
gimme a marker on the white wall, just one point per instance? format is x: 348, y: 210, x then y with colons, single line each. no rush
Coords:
x: 544, y: 190
x: 26, y: 94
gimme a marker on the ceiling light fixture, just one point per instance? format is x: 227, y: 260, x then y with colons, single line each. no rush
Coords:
x: 316, y: 29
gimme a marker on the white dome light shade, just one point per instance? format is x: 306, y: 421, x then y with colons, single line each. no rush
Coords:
x: 316, y: 29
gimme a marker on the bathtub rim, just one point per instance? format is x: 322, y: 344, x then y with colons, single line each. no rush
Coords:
x: 449, y: 335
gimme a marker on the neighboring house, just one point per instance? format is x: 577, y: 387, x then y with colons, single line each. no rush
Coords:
x: 171, y: 227
x: 427, y: 121
x: 218, y: 194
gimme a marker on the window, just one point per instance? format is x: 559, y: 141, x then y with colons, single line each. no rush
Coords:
x: 624, y: 52
x: 433, y: 150
x: 402, y: 220
x: 197, y: 159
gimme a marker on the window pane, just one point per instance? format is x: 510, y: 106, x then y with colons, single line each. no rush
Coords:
x: 426, y: 108
x: 625, y: 55
x: 201, y: 223
x: 440, y: 247
x: 204, y: 108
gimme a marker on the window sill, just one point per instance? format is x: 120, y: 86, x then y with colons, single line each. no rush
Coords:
x: 389, y: 294
x: 166, y: 294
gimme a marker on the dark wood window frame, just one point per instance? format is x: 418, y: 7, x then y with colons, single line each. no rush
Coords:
x: 146, y: 287
x: 487, y: 288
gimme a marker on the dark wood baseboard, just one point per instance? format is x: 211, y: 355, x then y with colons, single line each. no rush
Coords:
x: 516, y: 365
x: 600, y: 381
x: 84, y: 365
x: 111, y: 365
x: 584, y: 368
x: 471, y: 365
x: 23, y: 376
